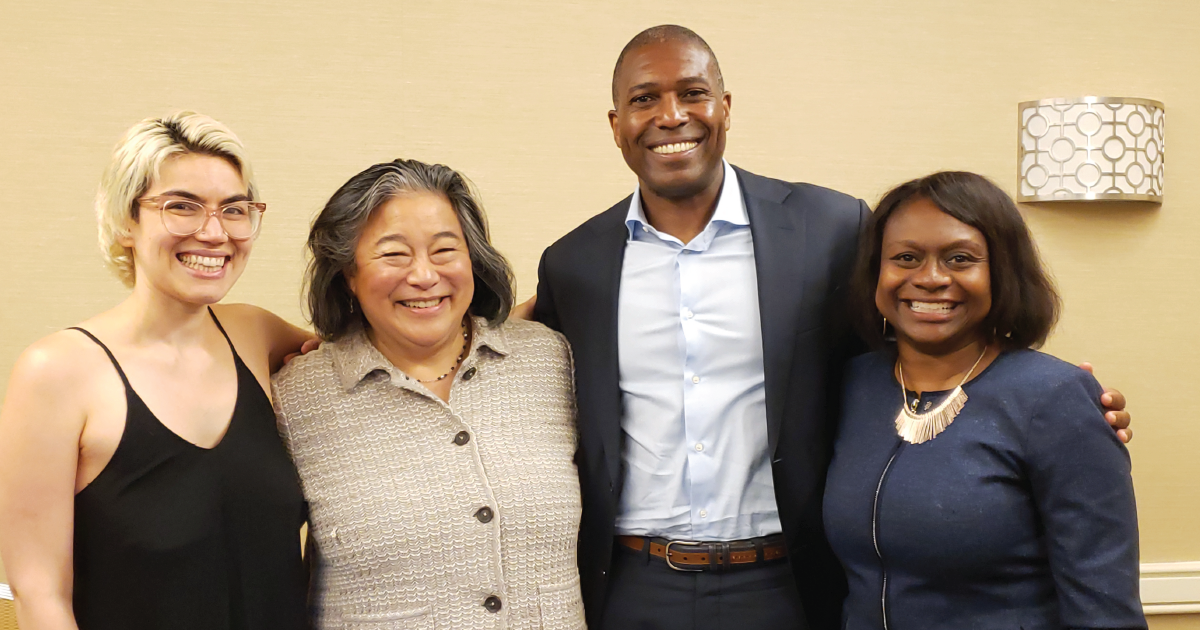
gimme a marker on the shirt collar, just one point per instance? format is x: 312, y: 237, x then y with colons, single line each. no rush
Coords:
x: 731, y: 206
x: 355, y: 357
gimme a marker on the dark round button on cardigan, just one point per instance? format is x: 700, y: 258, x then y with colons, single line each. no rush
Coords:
x: 462, y: 438
x: 493, y: 604
x: 484, y: 515
x: 469, y: 374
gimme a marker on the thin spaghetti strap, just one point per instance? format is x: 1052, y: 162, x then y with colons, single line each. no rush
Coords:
x: 222, y: 329
x: 120, y: 372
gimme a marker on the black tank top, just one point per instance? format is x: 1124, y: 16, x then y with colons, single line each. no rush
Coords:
x: 172, y: 535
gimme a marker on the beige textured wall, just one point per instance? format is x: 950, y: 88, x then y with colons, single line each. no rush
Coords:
x: 856, y: 96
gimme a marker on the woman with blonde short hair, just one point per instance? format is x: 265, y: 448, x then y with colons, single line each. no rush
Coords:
x: 142, y: 481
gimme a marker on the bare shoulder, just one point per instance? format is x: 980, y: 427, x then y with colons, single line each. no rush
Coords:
x: 58, y: 372
x: 244, y: 317
x: 256, y: 324
x: 261, y: 333
x: 59, y: 360
x: 251, y: 316
x: 245, y: 324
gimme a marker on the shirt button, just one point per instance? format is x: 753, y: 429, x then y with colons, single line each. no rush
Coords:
x: 462, y: 438
x: 699, y: 447
x: 468, y: 375
x: 704, y: 513
x: 493, y: 604
x: 688, y: 314
x: 485, y: 516
x: 696, y: 379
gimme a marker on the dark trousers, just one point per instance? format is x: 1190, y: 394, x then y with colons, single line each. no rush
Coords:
x: 645, y: 594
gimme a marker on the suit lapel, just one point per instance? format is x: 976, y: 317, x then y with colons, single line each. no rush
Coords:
x: 778, y: 236
x: 607, y: 258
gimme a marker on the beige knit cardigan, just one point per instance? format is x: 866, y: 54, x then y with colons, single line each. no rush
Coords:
x: 429, y: 515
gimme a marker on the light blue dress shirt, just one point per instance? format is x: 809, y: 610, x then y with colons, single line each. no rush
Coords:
x: 691, y: 376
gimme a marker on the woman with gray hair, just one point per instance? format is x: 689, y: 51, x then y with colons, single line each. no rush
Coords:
x: 434, y: 439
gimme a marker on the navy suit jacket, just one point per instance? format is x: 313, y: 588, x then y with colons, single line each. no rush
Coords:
x: 805, y: 238
x: 1020, y: 515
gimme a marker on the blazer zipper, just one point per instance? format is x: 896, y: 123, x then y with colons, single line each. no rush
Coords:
x: 875, y: 533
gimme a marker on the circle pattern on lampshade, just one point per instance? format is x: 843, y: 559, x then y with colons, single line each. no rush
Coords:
x: 1092, y: 147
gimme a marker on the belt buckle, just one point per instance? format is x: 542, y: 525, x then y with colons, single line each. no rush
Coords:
x: 667, y: 556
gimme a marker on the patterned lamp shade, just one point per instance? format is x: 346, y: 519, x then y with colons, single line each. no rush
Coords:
x: 1095, y: 147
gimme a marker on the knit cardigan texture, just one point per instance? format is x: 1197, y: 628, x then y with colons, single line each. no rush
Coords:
x: 429, y: 514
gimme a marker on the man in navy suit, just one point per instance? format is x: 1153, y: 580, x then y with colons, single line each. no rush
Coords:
x: 705, y: 315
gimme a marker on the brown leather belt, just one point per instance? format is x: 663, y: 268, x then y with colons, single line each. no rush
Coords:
x: 710, y: 556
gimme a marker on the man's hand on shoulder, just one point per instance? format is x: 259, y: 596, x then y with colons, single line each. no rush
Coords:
x: 1114, y: 409
x: 305, y: 348
x: 524, y: 310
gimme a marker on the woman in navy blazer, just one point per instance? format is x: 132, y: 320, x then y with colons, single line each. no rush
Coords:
x: 975, y: 482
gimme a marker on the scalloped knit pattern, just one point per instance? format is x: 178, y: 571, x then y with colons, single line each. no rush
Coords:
x: 395, y: 502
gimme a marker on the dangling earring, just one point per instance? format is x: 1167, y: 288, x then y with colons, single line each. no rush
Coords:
x: 351, y: 305
x: 884, y: 326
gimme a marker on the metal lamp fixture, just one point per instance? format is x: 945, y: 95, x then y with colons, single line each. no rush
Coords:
x: 1090, y: 148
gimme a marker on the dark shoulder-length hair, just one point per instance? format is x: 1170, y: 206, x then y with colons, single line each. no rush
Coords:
x: 336, y: 230
x: 1025, y: 304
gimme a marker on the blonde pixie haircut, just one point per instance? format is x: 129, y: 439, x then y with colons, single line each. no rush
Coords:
x: 135, y: 164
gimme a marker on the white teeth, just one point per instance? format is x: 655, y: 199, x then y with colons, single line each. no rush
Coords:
x: 202, y: 263
x: 421, y: 303
x: 931, y: 307
x: 677, y: 147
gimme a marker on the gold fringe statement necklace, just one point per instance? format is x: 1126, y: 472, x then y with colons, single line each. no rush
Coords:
x: 917, y: 428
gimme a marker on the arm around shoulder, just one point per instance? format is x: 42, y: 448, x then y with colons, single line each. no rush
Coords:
x: 1080, y: 478
x: 568, y: 359
x: 41, y: 424
x: 544, y: 309
x: 273, y: 337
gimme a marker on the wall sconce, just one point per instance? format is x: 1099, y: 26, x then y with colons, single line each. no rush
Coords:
x: 1090, y: 148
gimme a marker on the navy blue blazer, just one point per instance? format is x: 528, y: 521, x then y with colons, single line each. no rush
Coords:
x: 1020, y: 515
x: 805, y: 238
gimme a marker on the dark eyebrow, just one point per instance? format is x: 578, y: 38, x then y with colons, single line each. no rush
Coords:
x: 962, y: 242
x: 684, y: 81
x: 181, y: 193
x: 642, y: 86
x: 194, y: 197
x: 966, y: 243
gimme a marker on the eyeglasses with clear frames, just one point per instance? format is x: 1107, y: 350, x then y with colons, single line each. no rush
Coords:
x: 184, y: 217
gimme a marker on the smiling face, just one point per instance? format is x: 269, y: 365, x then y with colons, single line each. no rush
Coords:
x: 196, y: 269
x: 934, y: 279
x: 671, y: 117
x: 412, y: 274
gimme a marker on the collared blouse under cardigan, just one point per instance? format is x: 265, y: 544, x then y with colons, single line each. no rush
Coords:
x: 434, y: 515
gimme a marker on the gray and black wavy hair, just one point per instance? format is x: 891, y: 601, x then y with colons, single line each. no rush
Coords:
x: 336, y: 230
